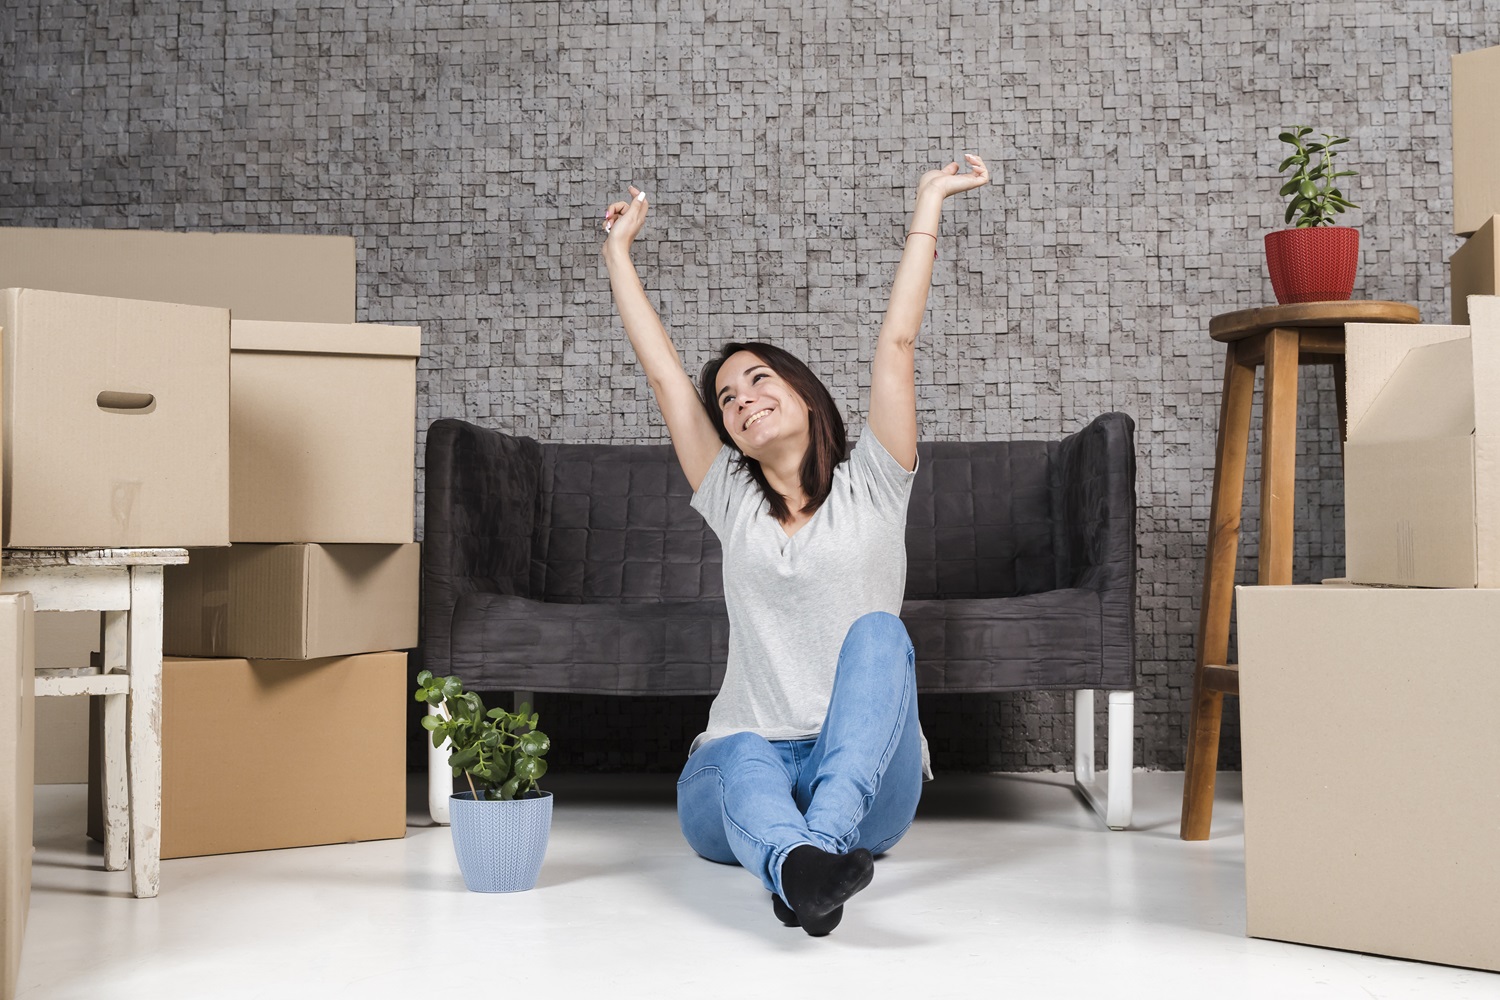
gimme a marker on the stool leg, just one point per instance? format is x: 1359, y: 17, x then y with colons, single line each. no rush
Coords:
x: 1278, y: 478
x: 145, y: 729
x: 1218, y: 594
x: 115, y: 790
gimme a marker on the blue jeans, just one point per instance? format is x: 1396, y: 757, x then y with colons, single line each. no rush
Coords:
x: 743, y: 799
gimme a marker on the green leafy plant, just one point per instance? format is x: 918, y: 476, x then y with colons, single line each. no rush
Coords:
x: 1313, y: 187
x: 499, y: 752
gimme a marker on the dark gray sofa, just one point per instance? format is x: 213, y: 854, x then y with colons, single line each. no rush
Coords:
x: 582, y: 568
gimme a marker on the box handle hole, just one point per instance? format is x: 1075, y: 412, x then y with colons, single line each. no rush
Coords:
x: 126, y: 402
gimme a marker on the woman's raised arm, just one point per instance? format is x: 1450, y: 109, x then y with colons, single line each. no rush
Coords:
x: 893, y: 386
x: 693, y: 435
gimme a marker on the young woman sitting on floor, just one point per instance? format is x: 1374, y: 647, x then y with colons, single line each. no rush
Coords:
x: 812, y: 762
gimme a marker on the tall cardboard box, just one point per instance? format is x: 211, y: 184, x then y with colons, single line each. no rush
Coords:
x: 1368, y: 743
x: 1422, y: 462
x: 1476, y: 139
x: 116, y: 422
x: 292, y: 601
x: 1474, y: 269
x: 265, y: 754
x: 17, y: 739
x: 323, y: 432
x: 257, y: 275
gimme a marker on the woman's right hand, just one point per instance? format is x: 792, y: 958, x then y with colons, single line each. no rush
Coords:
x: 623, y: 220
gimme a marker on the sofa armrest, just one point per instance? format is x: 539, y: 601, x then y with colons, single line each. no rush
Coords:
x: 483, y: 494
x: 1093, y: 504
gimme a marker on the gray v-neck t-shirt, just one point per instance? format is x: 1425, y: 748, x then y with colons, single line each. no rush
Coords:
x: 792, y: 599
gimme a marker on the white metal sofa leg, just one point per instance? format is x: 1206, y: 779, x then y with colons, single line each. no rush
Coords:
x: 1115, y: 803
x: 439, y: 778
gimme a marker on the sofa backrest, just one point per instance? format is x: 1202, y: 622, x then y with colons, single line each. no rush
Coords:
x: 615, y: 525
x: 980, y: 521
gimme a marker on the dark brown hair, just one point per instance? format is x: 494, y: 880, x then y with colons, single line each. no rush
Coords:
x: 828, y: 444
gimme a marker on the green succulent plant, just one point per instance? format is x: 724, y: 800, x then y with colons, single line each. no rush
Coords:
x: 499, y: 752
x: 1313, y: 188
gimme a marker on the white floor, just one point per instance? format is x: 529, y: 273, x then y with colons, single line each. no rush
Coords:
x: 1006, y: 886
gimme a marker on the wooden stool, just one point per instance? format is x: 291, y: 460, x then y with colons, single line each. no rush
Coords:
x: 126, y: 585
x: 1281, y: 338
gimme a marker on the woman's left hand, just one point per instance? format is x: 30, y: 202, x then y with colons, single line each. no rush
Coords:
x: 948, y: 181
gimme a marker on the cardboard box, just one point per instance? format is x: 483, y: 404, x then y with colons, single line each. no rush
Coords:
x: 323, y: 432
x: 1476, y: 139
x: 293, y: 601
x: 1474, y: 269
x: 1422, y: 463
x: 1368, y: 740
x: 264, y: 754
x: 116, y: 422
x: 17, y: 739
x: 258, y: 275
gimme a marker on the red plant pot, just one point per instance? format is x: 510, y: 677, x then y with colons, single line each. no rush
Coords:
x: 1316, y: 264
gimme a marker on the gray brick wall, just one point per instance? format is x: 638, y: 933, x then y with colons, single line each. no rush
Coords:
x: 470, y: 148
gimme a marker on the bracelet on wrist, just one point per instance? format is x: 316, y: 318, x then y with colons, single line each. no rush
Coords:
x: 918, y: 232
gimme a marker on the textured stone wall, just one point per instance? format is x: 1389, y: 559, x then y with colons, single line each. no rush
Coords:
x: 470, y: 148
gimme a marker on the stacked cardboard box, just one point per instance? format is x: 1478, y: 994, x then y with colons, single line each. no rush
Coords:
x: 1365, y: 705
x: 199, y: 390
x: 17, y: 723
x: 1368, y: 738
x: 116, y: 422
x: 321, y: 580
x: 255, y: 275
x: 1476, y: 177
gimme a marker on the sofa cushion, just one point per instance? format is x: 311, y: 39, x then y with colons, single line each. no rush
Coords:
x: 659, y: 648
x: 680, y: 647
x: 1049, y: 640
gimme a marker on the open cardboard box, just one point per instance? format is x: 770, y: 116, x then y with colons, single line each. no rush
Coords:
x: 1474, y: 269
x: 1369, y: 739
x: 1422, y: 463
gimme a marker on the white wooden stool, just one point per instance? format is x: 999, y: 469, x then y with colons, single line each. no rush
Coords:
x: 126, y: 586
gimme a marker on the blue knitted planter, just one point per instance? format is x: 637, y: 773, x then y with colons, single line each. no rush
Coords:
x: 500, y: 845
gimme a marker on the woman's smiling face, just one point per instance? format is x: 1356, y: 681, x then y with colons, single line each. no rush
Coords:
x: 759, y: 409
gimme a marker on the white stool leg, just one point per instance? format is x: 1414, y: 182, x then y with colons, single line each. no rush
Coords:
x: 439, y: 778
x: 145, y: 729
x: 115, y: 792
